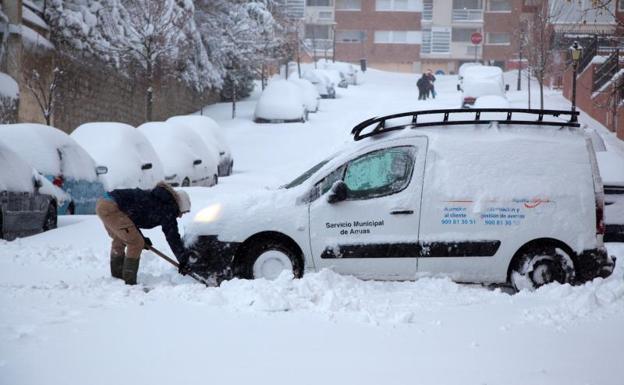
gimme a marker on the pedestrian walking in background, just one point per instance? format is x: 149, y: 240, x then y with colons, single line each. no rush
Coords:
x: 423, y: 86
x: 431, y: 79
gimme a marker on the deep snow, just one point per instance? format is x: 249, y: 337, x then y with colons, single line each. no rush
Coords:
x: 63, y: 320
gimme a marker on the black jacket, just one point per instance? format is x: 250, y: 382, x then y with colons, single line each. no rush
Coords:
x: 151, y: 208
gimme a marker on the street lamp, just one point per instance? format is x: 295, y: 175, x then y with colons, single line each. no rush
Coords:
x: 576, y: 50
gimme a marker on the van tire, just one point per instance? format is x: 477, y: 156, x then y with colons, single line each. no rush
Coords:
x: 540, y: 266
x: 264, y: 248
x: 51, y: 219
x: 186, y: 182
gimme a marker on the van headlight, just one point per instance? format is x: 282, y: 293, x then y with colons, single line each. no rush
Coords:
x: 208, y: 214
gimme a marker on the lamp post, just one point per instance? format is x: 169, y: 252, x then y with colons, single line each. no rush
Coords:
x: 575, y: 51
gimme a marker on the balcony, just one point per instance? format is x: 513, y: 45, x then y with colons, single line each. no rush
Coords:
x: 468, y: 15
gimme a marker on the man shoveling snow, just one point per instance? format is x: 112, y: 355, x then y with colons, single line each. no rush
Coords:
x: 123, y: 212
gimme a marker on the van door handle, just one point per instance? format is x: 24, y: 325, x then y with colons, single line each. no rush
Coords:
x: 402, y: 212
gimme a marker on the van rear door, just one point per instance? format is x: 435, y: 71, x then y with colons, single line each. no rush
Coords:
x: 373, y: 233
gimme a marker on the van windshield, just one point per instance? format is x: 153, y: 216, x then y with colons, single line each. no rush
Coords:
x: 303, y: 177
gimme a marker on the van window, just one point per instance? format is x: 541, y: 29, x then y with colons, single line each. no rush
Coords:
x: 380, y: 173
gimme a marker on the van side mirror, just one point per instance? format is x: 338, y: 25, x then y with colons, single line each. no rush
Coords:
x: 146, y: 166
x: 196, y: 162
x: 101, y: 170
x: 506, y: 87
x: 338, y: 192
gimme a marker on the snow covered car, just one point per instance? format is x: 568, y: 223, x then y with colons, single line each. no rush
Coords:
x: 185, y: 157
x: 128, y: 155
x: 311, y: 97
x: 321, y: 81
x: 61, y: 160
x: 479, y: 81
x: 515, y: 201
x: 612, y: 174
x: 212, y: 134
x: 336, y: 77
x: 28, y: 201
x: 462, y: 70
x: 280, y: 102
x: 348, y: 70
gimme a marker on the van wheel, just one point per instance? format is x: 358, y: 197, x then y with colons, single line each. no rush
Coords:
x: 50, y: 218
x: 541, y: 266
x: 269, y: 259
x: 186, y: 182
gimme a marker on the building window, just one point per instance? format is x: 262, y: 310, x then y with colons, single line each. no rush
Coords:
x: 499, y: 6
x: 398, y: 37
x: 621, y: 5
x: 467, y: 4
x: 462, y: 35
x: 348, y: 5
x: 427, y: 14
x: 315, y: 31
x: 350, y: 36
x: 319, y: 3
x: 396, y: 5
x: 502, y: 38
x: 436, y: 41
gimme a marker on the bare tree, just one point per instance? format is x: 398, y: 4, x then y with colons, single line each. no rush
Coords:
x: 154, y: 38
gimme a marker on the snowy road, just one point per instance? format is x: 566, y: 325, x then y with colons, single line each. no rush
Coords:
x: 63, y: 320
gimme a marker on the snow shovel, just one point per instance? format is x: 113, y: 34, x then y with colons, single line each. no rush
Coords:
x: 195, y: 276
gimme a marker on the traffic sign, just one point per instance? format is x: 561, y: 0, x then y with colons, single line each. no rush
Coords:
x: 476, y: 38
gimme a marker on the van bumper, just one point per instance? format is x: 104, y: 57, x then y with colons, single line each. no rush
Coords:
x: 216, y: 257
x: 594, y: 263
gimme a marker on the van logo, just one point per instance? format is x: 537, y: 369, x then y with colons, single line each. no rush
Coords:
x: 536, y: 202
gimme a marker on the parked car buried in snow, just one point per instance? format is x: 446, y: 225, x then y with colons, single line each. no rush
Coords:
x: 186, y: 159
x: 129, y: 157
x: 321, y: 81
x: 479, y: 81
x: 349, y: 72
x: 311, y: 97
x: 280, y: 102
x: 28, y: 201
x: 461, y: 197
x: 213, y: 137
x: 61, y: 160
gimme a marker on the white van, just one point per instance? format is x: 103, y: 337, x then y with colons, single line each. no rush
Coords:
x: 473, y: 196
x: 479, y: 81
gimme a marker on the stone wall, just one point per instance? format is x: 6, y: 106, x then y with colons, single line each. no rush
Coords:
x: 91, y: 91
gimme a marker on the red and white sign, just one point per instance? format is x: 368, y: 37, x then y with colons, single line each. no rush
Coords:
x: 476, y: 38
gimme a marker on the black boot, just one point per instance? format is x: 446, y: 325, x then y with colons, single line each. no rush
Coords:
x: 116, y: 265
x: 130, y: 270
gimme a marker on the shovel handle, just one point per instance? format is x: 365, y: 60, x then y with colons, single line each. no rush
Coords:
x: 177, y: 265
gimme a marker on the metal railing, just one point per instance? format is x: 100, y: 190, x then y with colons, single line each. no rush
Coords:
x: 467, y: 15
x: 607, y: 70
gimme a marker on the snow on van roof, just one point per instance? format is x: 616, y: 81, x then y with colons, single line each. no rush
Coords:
x: 507, y: 163
x: 15, y: 173
x: 49, y: 150
x: 123, y: 149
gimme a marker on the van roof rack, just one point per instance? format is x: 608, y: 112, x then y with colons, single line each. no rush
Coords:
x: 380, y: 122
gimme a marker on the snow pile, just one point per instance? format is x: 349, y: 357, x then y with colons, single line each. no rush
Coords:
x: 124, y: 150
x: 8, y: 87
x: 281, y: 100
x: 49, y: 150
x: 491, y: 101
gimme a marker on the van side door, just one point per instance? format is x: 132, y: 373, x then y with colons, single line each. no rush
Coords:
x: 373, y: 231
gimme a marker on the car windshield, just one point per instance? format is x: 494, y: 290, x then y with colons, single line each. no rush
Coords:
x: 303, y: 177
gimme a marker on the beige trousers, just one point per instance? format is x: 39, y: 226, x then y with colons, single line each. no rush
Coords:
x: 124, y: 233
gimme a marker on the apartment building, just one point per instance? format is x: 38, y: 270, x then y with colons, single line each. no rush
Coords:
x: 319, y: 28
x: 387, y: 33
